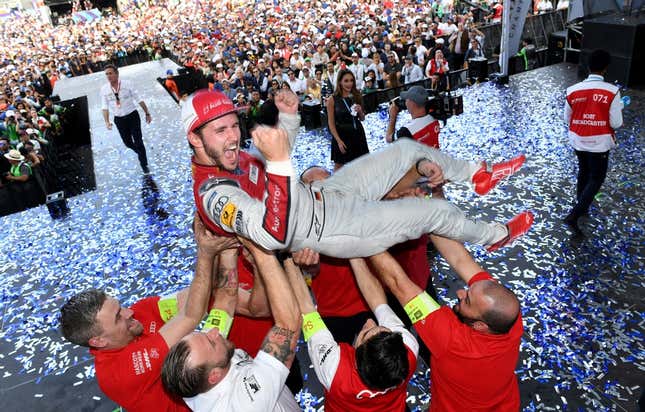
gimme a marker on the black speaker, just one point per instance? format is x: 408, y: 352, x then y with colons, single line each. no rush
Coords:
x: 57, y: 205
x: 623, y: 37
x: 311, y: 116
x: 555, y: 53
x: 478, y: 69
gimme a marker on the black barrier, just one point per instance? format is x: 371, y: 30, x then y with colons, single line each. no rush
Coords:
x: 68, y: 167
x: 456, y: 79
x: 537, y: 27
x: 187, y: 83
x: 74, y: 165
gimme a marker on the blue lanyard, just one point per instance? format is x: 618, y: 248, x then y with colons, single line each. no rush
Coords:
x: 350, y: 112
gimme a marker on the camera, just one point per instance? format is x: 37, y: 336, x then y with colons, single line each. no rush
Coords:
x: 400, y: 103
x: 240, y: 99
x: 441, y: 105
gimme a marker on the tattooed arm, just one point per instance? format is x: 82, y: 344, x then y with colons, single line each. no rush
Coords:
x: 208, y: 246
x: 281, y: 340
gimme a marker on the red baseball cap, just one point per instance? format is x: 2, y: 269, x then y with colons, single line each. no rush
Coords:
x: 203, y: 106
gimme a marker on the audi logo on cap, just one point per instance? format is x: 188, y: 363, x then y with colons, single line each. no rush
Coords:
x: 212, y: 105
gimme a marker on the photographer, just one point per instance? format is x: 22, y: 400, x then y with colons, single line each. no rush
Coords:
x: 11, y: 128
x: 423, y: 127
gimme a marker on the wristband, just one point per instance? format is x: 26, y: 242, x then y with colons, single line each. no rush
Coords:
x: 420, y: 307
x: 219, y: 319
x: 167, y: 308
x: 311, y: 323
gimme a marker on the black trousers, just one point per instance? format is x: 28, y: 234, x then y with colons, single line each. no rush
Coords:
x: 129, y: 127
x: 592, y: 170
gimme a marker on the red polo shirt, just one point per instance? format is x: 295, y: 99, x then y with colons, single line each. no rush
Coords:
x: 131, y: 376
x: 335, y: 289
x: 471, y: 371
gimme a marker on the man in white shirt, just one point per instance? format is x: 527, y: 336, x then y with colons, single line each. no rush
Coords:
x: 295, y: 84
x: 359, y: 71
x: 121, y: 98
x: 329, y: 78
x: 410, y: 71
x: 211, y: 375
x: 421, y: 52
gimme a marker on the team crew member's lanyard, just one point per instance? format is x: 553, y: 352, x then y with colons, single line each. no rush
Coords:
x: 350, y: 112
x: 116, y: 94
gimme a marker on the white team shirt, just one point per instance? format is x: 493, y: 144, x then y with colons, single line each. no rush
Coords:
x: 128, y: 98
x: 251, y: 385
x: 359, y: 74
x: 325, y: 352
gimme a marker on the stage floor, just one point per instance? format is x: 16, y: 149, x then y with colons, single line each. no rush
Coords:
x: 582, y: 298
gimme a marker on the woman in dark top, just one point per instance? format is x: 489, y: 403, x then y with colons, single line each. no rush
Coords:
x: 345, y: 53
x: 344, y: 116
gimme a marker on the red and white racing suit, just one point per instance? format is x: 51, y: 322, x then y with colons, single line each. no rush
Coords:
x: 342, y: 216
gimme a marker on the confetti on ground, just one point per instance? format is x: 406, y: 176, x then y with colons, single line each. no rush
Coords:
x: 582, y: 298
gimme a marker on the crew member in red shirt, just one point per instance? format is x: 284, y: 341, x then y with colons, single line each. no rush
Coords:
x: 475, y: 345
x: 373, y: 373
x: 593, y: 110
x: 423, y: 128
x: 130, y: 344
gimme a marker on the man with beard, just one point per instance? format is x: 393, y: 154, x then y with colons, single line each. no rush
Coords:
x: 342, y: 216
x: 129, y: 344
x: 211, y: 375
x: 120, y: 98
x: 475, y: 345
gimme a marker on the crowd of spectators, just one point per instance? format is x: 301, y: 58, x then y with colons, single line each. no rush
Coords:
x: 28, y: 123
x: 247, y: 50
